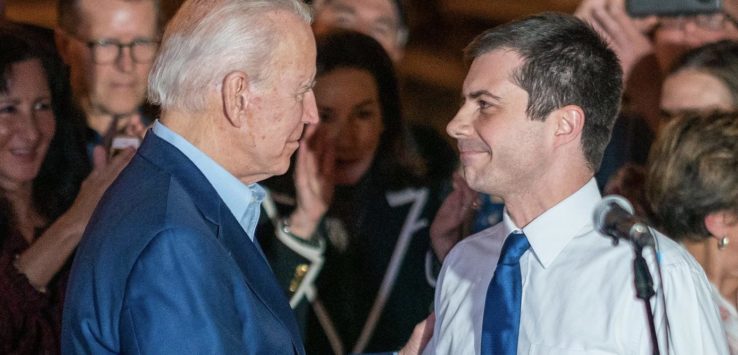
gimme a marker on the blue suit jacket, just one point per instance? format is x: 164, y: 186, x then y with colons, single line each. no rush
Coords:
x: 165, y: 268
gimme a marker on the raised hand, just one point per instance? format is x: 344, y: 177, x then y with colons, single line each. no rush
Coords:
x: 47, y: 255
x: 103, y: 173
x: 314, y: 171
x: 452, y: 219
x: 627, y: 36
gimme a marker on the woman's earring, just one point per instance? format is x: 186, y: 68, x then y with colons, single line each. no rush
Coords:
x: 723, y: 242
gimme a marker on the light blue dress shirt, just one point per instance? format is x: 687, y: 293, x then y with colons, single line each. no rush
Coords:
x: 244, y: 201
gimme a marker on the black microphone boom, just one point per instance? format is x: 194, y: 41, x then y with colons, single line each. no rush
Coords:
x: 613, y: 216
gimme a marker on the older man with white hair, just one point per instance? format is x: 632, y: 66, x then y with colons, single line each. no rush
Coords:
x: 169, y: 264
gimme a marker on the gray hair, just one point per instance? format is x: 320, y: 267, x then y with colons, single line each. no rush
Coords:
x: 207, y: 39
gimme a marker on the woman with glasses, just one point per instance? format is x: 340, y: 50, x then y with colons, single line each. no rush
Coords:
x: 45, y: 204
x: 692, y: 189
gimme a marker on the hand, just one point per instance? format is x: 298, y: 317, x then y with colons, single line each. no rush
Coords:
x: 92, y: 189
x: 456, y: 211
x: 627, y: 36
x: 314, y: 185
x: 47, y: 255
x: 421, y: 336
x: 135, y: 126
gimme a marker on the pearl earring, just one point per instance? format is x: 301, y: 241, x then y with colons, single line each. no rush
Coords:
x: 723, y: 242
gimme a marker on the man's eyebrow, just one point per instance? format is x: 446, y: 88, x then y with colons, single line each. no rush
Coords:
x: 479, y: 93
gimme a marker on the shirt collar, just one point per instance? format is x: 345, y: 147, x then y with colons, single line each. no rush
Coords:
x: 549, y: 233
x: 242, y: 200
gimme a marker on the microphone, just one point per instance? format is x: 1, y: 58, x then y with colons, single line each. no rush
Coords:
x: 613, y: 216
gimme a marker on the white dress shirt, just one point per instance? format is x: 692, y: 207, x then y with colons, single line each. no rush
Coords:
x: 578, y: 293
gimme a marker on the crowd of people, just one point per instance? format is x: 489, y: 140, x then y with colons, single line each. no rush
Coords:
x: 240, y: 179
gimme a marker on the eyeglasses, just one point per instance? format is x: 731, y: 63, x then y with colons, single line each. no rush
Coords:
x: 106, y: 51
x: 710, y: 22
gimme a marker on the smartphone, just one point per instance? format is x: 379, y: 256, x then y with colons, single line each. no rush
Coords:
x: 641, y: 8
x: 121, y: 142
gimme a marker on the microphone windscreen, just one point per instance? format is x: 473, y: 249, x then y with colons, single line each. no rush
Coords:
x: 605, y: 206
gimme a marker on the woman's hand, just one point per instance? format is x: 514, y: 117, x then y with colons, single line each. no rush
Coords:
x: 453, y: 216
x: 314, y: 171
x: 103, y: 174
x: 627, y: 36
x: 46, y: 256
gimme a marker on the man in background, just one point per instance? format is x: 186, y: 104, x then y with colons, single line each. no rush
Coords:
x: 109, y: 46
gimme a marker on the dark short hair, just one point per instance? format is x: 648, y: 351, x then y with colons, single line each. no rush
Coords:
x: 718, y: 59
x: 565, y: 62
x: 68, y: 14
x: 397, y: 158
x: 693, y: 172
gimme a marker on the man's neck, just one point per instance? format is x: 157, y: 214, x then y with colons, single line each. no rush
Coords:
x: 527, y: 204
x: 209, y: 134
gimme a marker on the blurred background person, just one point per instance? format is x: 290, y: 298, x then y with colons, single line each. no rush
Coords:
x: 692, y: 189
x: 353, y: 249
x: 386, y: 22
x: 383, y: 20
x: 647, y: 48
x: 704, y: 79
x: 109, y: 47
x: 45, y: 203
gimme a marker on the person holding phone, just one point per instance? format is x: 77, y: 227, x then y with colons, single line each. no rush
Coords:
x: 647, y: 47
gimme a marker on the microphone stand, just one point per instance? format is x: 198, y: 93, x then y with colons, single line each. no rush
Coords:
x: 641, y: 238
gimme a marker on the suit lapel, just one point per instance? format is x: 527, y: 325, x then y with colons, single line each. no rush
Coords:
x: 252, y: 263
x: 258, y: 273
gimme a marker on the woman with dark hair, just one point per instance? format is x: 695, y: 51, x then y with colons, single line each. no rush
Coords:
x: 353, y: 247
x: 704, y: 79
x: 692, y: 190
x: 46, y: 204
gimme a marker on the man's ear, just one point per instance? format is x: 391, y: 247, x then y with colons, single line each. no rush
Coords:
x: 62, y: 44
x: 569, y: 122
x: 236, y: 95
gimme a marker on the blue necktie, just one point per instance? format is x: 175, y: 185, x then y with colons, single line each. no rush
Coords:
x: 502, y: 306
